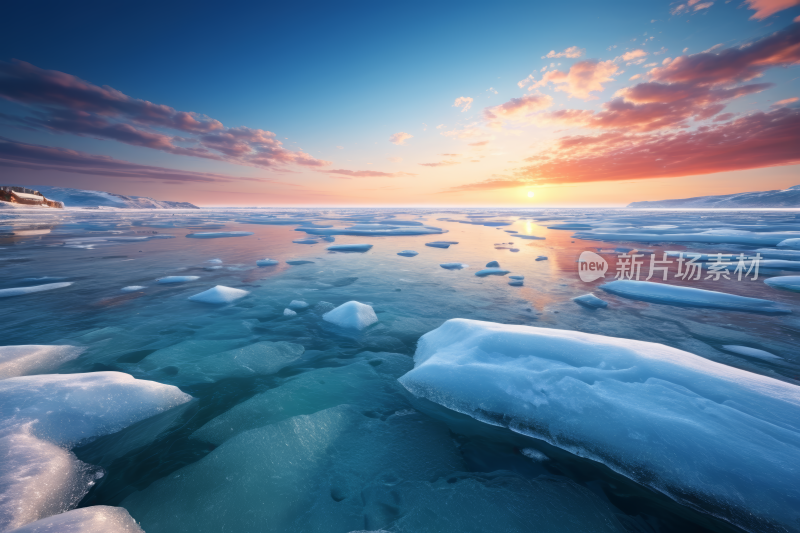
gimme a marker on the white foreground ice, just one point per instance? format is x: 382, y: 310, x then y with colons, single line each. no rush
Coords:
x: 661, y: 293
x: 19, y: 291
x: 42, y: 415
x: 352, y: 314
x: 712, y: 437
x: 96, y: 519
x: 219, y: 295
x: 788, y: 283
x: 34, y: 359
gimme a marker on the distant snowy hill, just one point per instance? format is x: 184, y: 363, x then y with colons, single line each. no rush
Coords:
x: 81, y: 198
x: 786, y: 198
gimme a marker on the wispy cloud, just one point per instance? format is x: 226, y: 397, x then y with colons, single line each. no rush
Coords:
x: 517, y: 109
x: 464, y: 102
x: 765, y: 8
x: 571, y: 52
x: 582, y: 79
x: 366, y: 173
x: 400, y: 138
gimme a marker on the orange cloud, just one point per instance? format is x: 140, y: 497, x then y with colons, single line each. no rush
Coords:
x: 366, y: 173
x: 633, y: 54
x: 463, y: 101
x: 582, y: 79
x: 517, y: 109
x: 400, y: 138
x: 571, y: 52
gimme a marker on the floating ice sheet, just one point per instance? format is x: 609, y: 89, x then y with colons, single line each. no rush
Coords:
x: 453, y: 266
x: 590, y: 300
x: 20, y: 291
x: 408, y: 253
x: 751, y: 352
x: 349, y: 247
x: 267, y: 262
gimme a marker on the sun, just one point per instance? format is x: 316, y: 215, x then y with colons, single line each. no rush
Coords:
x: 530, y: 194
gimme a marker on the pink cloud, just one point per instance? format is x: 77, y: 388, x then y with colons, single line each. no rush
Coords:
x: 440, y: 164
x: 366, y: 173
x: 571, y: 52
x: 633, y: 54
x: 464, y: 102
x: 758, y: 140
x: 765, y: 8
x: 733, y: 65
x: 400, y: 138
x: 36, y: 157
x: 582, y: 79
x: 517, y: 109
x: 787, y: 101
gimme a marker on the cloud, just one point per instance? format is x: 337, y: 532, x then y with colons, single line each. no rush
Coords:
x: 733, y: 65
x: 517, y: 109
x: 765, y: 8
x: 440, y: 164
x: 63, y: 103
x: 479, y: 143
x: 787, y: 101
x: 633, y: 54
x: 758, y: 140
x: 366, y: 173
x: 36, y: 157
x: 463, y: 101
x: 583, y: 78
x: 571, y: 52
x: 530, y: 79
x: 400, y: 138
x: 467, y: 132
x: 395, y: 159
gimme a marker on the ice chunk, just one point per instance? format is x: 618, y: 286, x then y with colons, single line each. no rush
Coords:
x: 296, y: 262
x: 570, y: 225
x: 176, y: 279
x: 542, y: 258
x: 751, y: 352
x: 305, y: 241
x: 215, y: 261
x: 661, y: 293
x: 510, y: 231
x: 352, y: 315
x: 34, y: 359
x: 349, y: 247
x: 408, y: 253
x: 529, y: 237
x: 266, y: 262
x: 492, y: 264
x: 438, y: 244
x: 219, y: 295
x: 534, y: 454
x: 219, y: 234
x: 19, y: 291
x: 708, y: 435
x: 516, y: 277
x: 453, y: 266
x: 514, y: 250
x: 793, y: 244
x: 516, y: 283
x: 289, y: 312
x: 297, y: 304
x: 95, y: 519
x: 68, y: 408
x: 374, y: 229
x: 491, y: 272
x: 788, y: 283
x: 132, y: 288
x: 590, y: 300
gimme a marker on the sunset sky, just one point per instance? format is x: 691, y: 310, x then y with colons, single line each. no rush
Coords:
x: 436, y: 103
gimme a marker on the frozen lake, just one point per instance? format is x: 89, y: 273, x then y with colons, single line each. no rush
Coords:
x: 297, y: 420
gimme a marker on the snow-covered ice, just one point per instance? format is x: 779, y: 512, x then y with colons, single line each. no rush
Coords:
x: 352, y: 314
x: 297, y: 304
x: 219, y: 295
x: 662, y: 293
x: 176, y: 279
x: 20, y: 291
x: 34, y: 359
x: 686, y: 420
x: 793, y: 244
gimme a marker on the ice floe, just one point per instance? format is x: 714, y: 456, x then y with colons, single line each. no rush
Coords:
x: 20, y: 291
x: 219, y: 234
x: 787, y: 283
x: 34, y: 359
x: 440, y: 244
x: 530, y: 237
x: 453, y: 266
x: 491, y: 272
x: 663, y: 293
x: 297, y: 304
x: 132, y: 288
x: 492, y: 264
x: 349, y: 247
x: 542, y: 258
x: 408, y: 253
x: 305, y: 241
x: 710, y: 436
x: 793, y: 244
x: 366, y: 230
x: 590, y: 300
x: 296, y: 262
x: 267, y: 262
x: 219, y: 295
x: 516, y: 282
x: 176, y: 279
x: 516, y: 277
x: 352, y: 314
x: 751, y: 352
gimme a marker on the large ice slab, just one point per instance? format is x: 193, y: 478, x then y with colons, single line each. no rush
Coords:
x: 661, y: 293
x: 19, y: 291
x: 34, y: 359
x: 712, y: 437
x: 95, y: 519
x: 219, y: 295
x: 788, y: 283
x: 352, y: 314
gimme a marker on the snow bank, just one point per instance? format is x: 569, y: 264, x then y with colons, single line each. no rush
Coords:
x: 349, y: 247
x: 219, y: 295
x: 788, y: 283
x: 96, y: 519
x: 19, y: 291
x: 219, y: 234
x: 352, y: 315
x: 712, y: 437
x: 176, y: 279
x: 34, y: 359
x: 661, y: 293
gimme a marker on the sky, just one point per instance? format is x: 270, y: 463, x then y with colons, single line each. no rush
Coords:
x: 525, y: 104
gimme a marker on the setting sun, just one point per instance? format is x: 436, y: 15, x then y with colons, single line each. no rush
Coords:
x: 530, y: 194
